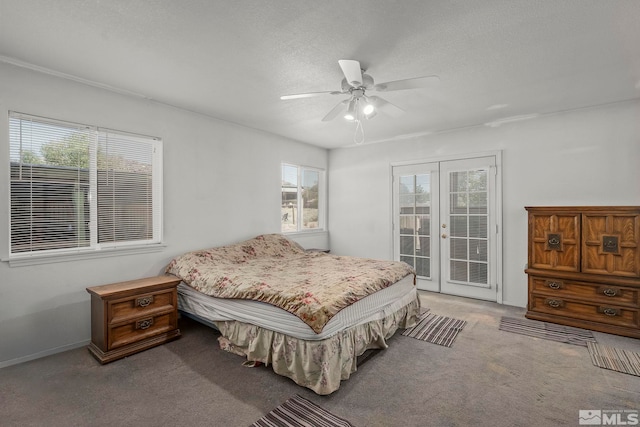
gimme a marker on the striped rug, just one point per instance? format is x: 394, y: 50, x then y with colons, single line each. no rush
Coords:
x: 300, y: 412
x: 615, y: 359
x: 436, y: 329
x: 547, y: 331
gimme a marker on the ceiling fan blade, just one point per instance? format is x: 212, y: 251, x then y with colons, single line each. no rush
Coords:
x: 336, y: 110
x: 386, y: 107
x: 310, y: 94
x: 416, y: 83
x: 352, y: 71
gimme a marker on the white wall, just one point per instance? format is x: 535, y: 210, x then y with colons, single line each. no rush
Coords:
x: 584, y: 157
x: 221, y: 185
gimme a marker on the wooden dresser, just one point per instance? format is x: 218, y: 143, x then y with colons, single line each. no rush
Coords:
x: 129, y: 317
x: 584, y: 267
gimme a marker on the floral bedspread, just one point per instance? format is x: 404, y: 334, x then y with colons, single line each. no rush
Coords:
x: 273, y: 269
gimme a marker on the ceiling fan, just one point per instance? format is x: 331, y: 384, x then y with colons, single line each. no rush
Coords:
x: 356, y: 83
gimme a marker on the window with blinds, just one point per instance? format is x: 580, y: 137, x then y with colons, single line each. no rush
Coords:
x: 77, y: 188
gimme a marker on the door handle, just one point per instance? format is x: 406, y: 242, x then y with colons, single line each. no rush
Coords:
x: 444, y: 236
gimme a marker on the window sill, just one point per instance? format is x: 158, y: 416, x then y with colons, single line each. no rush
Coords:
x: 303, y: 232
x: 35, y: 259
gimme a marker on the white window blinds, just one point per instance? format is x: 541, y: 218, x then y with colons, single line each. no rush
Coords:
x: 125, y: 187
x: 80, y: 188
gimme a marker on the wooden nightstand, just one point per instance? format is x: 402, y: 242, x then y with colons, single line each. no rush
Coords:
x: 132, y: 316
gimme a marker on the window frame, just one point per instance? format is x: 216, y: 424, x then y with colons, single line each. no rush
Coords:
x: 94, y: 248
x: 322, y: 198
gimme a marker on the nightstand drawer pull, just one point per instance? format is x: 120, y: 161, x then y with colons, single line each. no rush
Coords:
x: 555, y: 285
x: 555, y: 303
x: 609, y: 311
x: 610, y: 292
x: 144, y: 323
x: 144, y: 301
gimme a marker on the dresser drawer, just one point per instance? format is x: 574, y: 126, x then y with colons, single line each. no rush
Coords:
x: 141, y: 328
x: 601, y: 293
x: 138, y: 305
x: 585, y: 310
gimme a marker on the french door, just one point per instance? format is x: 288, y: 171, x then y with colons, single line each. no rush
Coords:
x: 446, y: 225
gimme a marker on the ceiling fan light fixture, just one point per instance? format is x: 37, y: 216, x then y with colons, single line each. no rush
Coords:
x: 368, y: 109
x: 351, y: 110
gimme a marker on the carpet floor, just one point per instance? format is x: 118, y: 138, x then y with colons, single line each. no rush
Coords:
x: 487, y: 378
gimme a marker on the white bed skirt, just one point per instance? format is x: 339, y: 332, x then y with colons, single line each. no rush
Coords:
x: 319, y: 365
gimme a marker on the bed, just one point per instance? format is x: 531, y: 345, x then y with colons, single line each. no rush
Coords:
x: 307, y: 314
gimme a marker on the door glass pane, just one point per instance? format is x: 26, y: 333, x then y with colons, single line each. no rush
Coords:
x: 477, y: 180
x: 407, y: 204
x: 424, y: 225
x: 478, y: 272
x: 458, y: 203
x: 477, y: 226
x: 458, y: 248
x: 407, y: 184
x: 458, y: 181
x: 478, y: 250
x: 458, y: 226
x: 458, y: 270
x: 407, y: 225
x: 407, y: 246
x: 423, y: 267
x: 425, y: 246
x: 478, y: 202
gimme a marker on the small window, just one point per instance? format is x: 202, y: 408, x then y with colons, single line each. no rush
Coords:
x: 302, y: 199
x: 77, y: 188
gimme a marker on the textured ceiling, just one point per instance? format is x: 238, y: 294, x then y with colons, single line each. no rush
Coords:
x: 233, y: 59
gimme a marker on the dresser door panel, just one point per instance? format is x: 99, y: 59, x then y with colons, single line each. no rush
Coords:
x: 610, y: 244
x: 554, y: 241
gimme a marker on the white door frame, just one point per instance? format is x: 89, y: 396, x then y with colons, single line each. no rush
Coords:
x: 498, y: 201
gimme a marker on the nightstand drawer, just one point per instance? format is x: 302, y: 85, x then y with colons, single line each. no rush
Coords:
x: 138, y: 305
x: 141, y: 328
x: 591, y: 311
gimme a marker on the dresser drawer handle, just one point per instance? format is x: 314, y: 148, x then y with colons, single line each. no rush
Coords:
x: 144, y: 301
x: 554, y: 303
x: 610, y: 292
x: 144, y: 323
x: 610, y: 311
x: 555, y: 285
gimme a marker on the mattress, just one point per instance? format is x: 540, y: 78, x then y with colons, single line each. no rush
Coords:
x: 373, y: 307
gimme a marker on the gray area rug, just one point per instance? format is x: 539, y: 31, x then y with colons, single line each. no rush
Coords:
x: 547, y: 331
x: 300, y: 412
x: 615, y: 359
x: 436, y: 329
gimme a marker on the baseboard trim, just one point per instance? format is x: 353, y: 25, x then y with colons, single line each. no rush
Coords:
x: 45, y: 353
